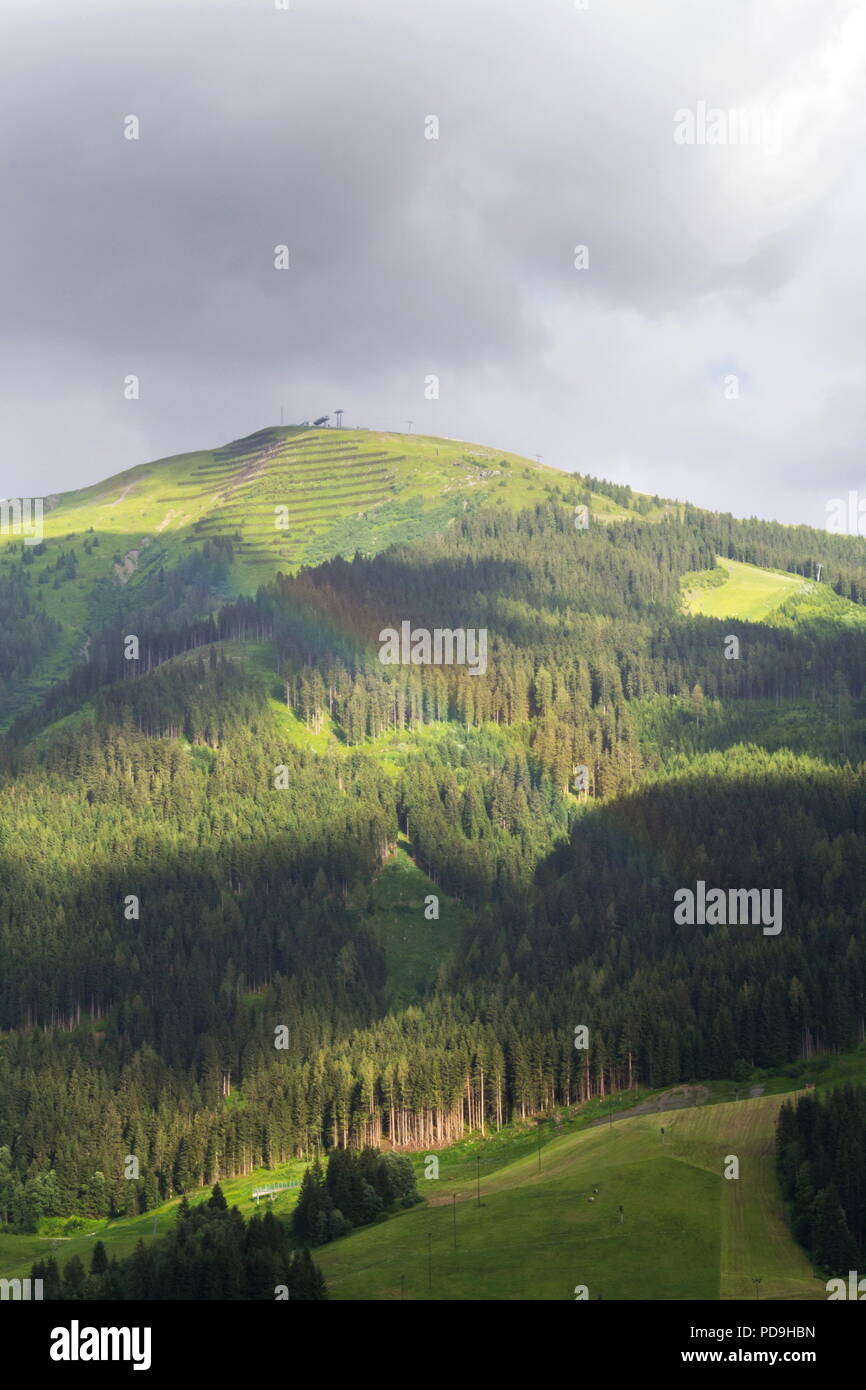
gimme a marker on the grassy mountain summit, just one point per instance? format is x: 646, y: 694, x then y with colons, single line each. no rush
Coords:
x: 398, y: 486
x: 272, y: 502
x: 172, y: 541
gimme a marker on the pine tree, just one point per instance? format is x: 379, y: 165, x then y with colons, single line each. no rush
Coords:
x: 216, y: 1201
x: 306, y: 1281
x: 832, y: 1244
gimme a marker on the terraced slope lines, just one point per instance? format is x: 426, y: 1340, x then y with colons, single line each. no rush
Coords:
x: 276, y: 494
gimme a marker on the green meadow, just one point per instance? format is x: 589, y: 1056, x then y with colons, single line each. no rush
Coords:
x: 736, y: 590
x: 747, y: 592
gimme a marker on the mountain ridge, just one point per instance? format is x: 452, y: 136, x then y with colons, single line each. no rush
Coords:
x: 275, y: 500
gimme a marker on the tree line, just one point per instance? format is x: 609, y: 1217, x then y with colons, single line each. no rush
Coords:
x: 821, y: 1162
x: 211, y: 1253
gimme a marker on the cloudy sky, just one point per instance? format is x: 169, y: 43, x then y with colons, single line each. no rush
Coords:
x: 712, y: 347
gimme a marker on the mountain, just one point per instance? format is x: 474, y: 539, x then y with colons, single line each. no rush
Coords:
x: 276, y: 883
x: 269, y: 503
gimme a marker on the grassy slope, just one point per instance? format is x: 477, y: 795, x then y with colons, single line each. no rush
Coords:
x: 748, y: 592
x: 769, y: 596
x: 537, y: 1235
x: 688, y: 1231
x: 414, y: 947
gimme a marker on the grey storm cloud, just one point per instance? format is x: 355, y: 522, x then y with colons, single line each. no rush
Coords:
x: 261, y: 126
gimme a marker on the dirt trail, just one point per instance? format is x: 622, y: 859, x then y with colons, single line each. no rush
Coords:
x: 680, y: 1098
x: 254, y: 469
x: 126, y: 491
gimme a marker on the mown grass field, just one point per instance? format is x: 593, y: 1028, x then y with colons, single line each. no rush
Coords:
x: 756, y: 1239
x: 686, y: 1233
x: 537, y: 1235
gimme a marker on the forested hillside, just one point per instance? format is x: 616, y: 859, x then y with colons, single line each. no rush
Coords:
x: 191, y: 971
